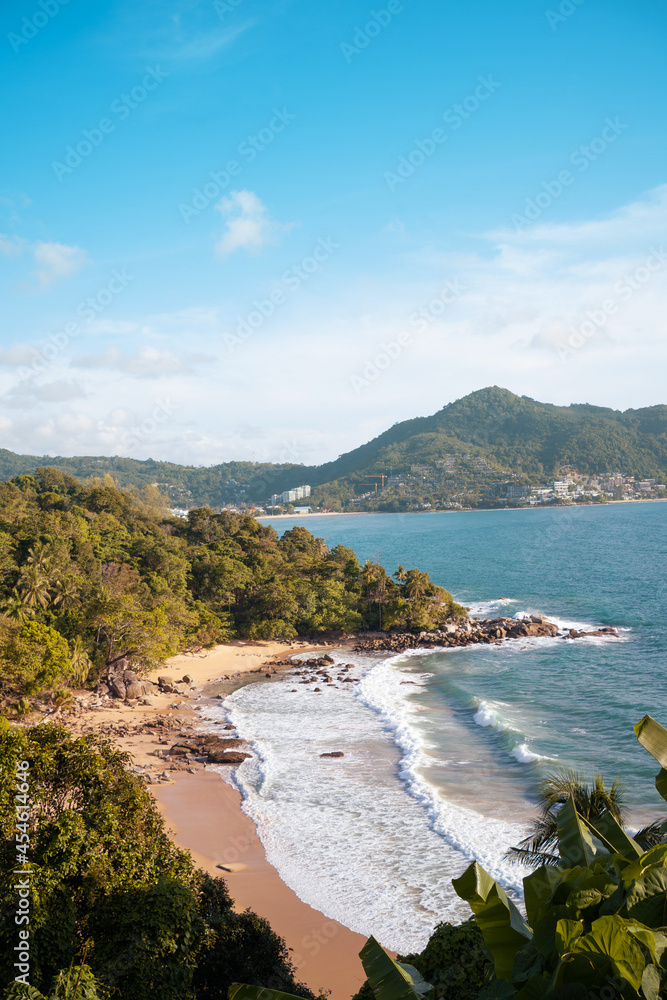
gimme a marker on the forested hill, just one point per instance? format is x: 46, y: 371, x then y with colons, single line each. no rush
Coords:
x: 514, y: 434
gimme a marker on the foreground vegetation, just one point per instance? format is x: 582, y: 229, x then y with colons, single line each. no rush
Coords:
x: 115, y: 907
x: 595, y: 927
x: 91, y: 574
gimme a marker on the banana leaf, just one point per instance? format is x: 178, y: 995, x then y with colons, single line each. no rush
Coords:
x: 388, y: 979
x: 241, y: 991
x: 610, y: 832
x: 575, y: 843
x: 653, y: 737
x: 538, y: 888
x: 503, y: 928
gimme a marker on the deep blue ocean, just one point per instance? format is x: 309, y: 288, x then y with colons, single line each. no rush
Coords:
x: 444, y: 750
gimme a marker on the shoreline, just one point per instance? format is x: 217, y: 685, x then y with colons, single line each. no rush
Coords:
x: 204, y: 815
x: 203, y: 812
x: 463, y: 510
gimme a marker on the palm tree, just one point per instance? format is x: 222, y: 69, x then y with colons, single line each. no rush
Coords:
x: 34, y: 587
x: 400, y: 574
x: 65, y: 592
x: 81, y: 662
x: 417, y: 584
x: 14, y: 607
x: 540, y: 847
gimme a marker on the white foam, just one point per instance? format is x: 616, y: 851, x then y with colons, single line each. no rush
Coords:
x: 484, y: 716
x: 352, y: 839
x: 526, y: 756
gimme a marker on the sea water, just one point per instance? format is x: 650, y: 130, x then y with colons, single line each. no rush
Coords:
x: 444, y: 749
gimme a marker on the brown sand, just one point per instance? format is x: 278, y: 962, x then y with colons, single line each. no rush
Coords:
x: 204, y: 816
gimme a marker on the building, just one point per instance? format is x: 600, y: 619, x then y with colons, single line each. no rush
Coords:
x: 289, y: 496
x: 302, y: 510
x: 515, y: 492
x: 560, y: 487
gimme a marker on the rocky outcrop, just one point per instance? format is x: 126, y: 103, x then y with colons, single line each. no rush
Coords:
x: 603, y: 632
x: 468, y: 632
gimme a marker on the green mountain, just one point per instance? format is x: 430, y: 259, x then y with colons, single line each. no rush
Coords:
x: 512, y: 436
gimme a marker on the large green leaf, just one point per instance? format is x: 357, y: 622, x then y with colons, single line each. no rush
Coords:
x: 503, y: 928
x: 653, y: 737
x: 388, y: 979
x: 538, y: 888
x: 655, y: 858
x: 613, y: 949
x: 651, y: 983
x: 567, y: 932
x: 575, y: 843
x: 608, y: 830
x: 647, y: 899
x: 241, y: 991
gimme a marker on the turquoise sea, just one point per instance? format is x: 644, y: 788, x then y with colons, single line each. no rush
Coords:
x: 443, y: 750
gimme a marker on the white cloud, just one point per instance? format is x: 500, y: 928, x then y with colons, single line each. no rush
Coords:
x: 11, y: 246
x: 57, y: 262
x: 148, y: 362
x: 248, y: 226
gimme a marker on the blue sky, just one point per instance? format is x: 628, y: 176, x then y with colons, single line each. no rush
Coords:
x: 240, y: 229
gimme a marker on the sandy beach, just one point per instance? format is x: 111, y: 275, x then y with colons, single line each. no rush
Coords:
x: 203, y: 812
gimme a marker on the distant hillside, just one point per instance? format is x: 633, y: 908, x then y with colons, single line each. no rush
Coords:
x: 514, y: 434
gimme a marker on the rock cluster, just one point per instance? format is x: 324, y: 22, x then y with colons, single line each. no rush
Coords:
x: 208, y: 749
x: 467, y: 632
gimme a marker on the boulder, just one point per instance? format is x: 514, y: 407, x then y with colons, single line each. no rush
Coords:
x: 117, y: 687
x: 134, y: 690
x: 226, y: 757
x: 186, y: 679
x: 334, y: 753
x: 130, y: 677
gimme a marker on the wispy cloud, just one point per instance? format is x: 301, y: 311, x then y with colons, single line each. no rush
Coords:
x: 247, y: 224
x: 57, y: 262
x: 148, y: 362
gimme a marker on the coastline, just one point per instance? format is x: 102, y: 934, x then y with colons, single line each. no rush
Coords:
x: 203, y: 813
x: 462, y: 510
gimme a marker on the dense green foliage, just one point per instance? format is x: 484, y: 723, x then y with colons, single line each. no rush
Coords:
x: 109, y: 886
x: 596, y: 921
x: 512, y: 433
x: 455, y: 962
x: 91, y: 574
